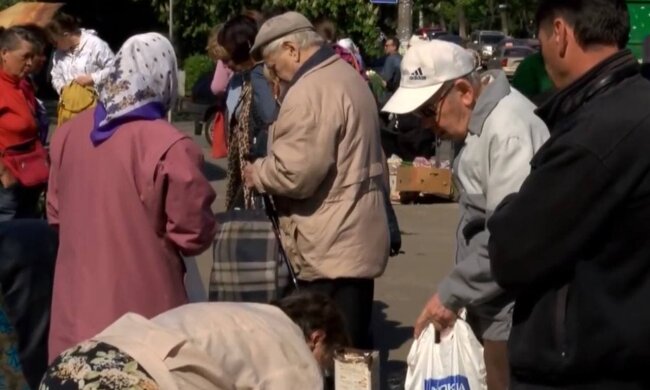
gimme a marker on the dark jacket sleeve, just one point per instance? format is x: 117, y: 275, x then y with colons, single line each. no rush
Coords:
x: 391, y: 72
x: 547, y: 226
x: 265, y: 105
x: 265, y: 111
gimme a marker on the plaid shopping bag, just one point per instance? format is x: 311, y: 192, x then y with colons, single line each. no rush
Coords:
x: 249, y: 263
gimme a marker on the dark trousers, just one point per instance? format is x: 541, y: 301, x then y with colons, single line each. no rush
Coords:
x: 27, y: 252
x: 17, y: 202
x: 354, y: 299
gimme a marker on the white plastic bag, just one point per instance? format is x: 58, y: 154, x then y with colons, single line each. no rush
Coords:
x: 455, y: 363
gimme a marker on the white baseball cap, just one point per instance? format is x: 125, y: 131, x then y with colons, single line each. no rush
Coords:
x: 417, y: 40
x: 425, y: 68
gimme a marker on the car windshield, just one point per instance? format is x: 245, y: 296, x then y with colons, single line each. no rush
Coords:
x: 517, y: 52
x: 451, y: 38
x: 491, y: 39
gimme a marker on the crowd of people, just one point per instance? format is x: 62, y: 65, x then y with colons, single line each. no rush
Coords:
x: 551, y: 258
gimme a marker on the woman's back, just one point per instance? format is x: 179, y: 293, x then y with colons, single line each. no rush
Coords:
x: 220, y: 345
x: 124, y: 209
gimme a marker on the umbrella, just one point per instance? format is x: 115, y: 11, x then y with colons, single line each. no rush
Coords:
x: 24, y: 12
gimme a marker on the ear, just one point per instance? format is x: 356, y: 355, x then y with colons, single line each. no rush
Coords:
x: 294, y: 50
x: 561, y: 36
x: 316, y: 337
x: 466, y: 92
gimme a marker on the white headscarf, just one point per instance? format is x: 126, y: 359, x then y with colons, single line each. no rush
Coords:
x: 144, y: 71
x: 348, y: 44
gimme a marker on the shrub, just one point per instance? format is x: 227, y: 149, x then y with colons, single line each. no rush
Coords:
x: 195, y: 66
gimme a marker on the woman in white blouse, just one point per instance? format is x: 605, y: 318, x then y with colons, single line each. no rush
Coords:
x: 81, y: 55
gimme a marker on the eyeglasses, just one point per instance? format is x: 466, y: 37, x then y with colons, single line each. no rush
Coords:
x: 431, y: 108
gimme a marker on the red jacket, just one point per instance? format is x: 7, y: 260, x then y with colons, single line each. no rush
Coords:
x: 17, y: 122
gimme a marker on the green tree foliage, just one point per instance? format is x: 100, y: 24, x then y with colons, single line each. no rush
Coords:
x: 195, y: 66
x: 478, y: 14
x: 7, y: 3
x: 354, y: 18
x: 358, y: 19
x: 193, y: 19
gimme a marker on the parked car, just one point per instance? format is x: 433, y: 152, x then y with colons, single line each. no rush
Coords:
x: 510, y: 42
x: 485, y: 43
x: 508, y: 58
x: 430, y: 32
x: 453, y: 38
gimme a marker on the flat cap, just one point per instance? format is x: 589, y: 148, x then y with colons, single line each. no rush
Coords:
x: 278, y: 27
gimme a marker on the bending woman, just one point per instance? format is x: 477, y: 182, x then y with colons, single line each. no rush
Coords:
x: 80, y: 57
x: 209, y: 346
x: 250, y: 103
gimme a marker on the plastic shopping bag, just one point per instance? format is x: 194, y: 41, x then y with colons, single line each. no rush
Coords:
x: 455, y: 363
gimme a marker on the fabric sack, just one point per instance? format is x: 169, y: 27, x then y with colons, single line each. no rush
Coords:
x: 27, y: 162
x: 75, y: 98
x: 454, y: 362
x: 248, y: 265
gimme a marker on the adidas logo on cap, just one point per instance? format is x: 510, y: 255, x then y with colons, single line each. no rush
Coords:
x: 417, y: 75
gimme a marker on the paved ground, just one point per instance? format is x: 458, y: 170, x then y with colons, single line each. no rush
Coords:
x: 427, y: 234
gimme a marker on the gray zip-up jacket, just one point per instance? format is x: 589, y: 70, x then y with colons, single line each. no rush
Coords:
x: 504, y: 134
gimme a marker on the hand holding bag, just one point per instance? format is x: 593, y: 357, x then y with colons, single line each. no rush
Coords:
x: 455, y: 362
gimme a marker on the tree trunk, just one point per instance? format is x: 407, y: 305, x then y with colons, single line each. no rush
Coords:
x: 504, y: 21
x: 442, y: 22
x: 462, y: 21
x: 490, y: 4
x: 404, y: 21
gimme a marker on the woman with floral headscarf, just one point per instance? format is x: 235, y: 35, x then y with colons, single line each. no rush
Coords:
x: 128, y: 197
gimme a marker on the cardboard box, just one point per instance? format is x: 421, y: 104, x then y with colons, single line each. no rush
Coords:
x: 356, y: 370
x: 427, y: 180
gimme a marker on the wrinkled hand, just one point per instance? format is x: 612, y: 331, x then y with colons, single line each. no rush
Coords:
x: 435, y: 312
x: 248, y: 176
x: 84, y: 80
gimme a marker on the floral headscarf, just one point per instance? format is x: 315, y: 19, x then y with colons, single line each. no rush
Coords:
x: 142, y: 85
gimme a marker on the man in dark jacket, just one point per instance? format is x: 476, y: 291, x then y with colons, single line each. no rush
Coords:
x: 390, y: 73
x: 574, y: 242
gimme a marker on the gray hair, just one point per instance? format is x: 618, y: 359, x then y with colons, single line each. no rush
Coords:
x: 474, y: 78
x: 304, y: 39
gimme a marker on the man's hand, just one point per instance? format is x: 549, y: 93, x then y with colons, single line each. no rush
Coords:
x: 435, y: 312
x: 249, y: 170
x: 84, y: 80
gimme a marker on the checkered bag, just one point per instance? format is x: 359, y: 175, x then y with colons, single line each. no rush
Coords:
x: 249, y: 263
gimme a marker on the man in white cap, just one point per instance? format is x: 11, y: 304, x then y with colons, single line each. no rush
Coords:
x: 500, y: 134
x: 325, y: 169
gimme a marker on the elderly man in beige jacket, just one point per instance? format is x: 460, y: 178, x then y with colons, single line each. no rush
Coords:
x: 325, y: 170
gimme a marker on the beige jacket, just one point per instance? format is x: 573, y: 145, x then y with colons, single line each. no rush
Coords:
x: 325, y: 168
x: 220, y: 346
